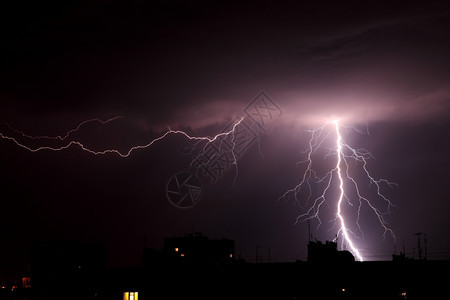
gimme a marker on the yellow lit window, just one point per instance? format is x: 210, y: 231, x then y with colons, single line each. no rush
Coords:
x: 176, y: 249
x: 130, y: 296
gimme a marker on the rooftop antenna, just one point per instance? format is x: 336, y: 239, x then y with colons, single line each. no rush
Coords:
x: 419, y: 248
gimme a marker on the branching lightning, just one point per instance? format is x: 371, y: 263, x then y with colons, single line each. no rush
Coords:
x: 69, y: 143
x: 59, y: 137
x: 349, y: 191
x: 339, y: 177
x: 213, y: 155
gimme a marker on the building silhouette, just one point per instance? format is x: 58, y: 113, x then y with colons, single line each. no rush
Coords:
x: 194, y: 266
x: 319, y: 252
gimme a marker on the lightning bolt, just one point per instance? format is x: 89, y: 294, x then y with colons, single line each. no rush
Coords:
x: 343, y: 229
x: 64, y: 137
x: 340, y: 173
x: 69, y: 143
x: 344, y: 153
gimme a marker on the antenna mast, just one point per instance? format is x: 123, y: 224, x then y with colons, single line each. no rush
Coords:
x: 419, y: 247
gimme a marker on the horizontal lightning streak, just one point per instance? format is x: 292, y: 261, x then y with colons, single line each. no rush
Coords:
x: 113, y: 151
x: 59, y: 137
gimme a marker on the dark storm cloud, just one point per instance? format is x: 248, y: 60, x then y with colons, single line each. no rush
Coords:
x: 392, y: 67
x: 371, y: 69
x: 197, y: 64
x: 396, y: 69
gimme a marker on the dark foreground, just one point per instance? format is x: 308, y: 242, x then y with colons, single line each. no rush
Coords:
x: 368, y: 280
x: 238, y: 280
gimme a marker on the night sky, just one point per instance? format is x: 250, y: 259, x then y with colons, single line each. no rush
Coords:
x: 381, y: 66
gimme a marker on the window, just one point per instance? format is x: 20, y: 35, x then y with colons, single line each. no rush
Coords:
x: 130, y: 296
x: 26, y: 282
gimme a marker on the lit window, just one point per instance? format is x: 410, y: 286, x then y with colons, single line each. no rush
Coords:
x: 130, y: 296
x: 176, y: 249
x: 26, y: 282
x: 231, y: 255
x: 182, y: 254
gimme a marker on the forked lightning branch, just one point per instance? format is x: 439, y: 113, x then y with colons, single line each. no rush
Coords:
x: 340, y: 178
x: 217, y: 154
